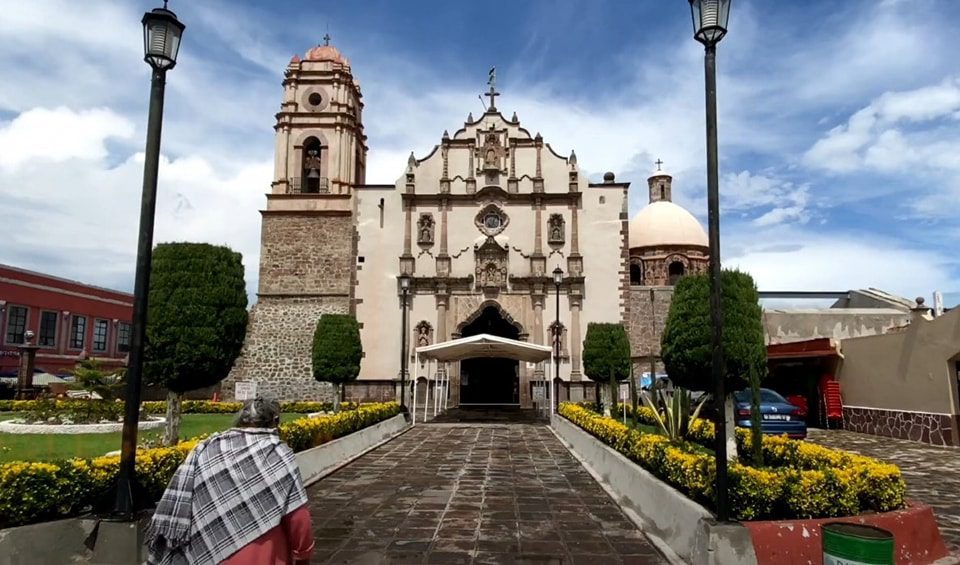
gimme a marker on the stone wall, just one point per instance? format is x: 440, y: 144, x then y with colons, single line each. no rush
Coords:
x: 936, y: 429
x: 649, y: 306
x: 277, y: 350
x: 307, y: 254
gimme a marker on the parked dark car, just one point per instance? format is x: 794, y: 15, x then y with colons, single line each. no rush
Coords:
x: 777, y: 416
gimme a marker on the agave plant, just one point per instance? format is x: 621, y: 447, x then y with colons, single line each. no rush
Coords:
x: 673, y: 413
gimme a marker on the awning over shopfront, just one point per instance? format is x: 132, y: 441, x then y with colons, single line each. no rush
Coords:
x: 811, y: 348
x: 485, y: 345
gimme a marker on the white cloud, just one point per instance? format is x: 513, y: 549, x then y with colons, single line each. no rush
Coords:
x: 59, y: 134
x: 784, y: 201
x: 792, y: 259
x: 83, y: 216
x: 880, y: 136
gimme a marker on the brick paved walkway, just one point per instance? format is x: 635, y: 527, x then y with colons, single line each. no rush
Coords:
x: 471, y: 494
x: 932, y: 473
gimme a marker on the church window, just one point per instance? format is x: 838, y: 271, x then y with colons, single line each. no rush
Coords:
x: 491, y: 220
x: 636, y: 273
x: 663, y: 193
x: 313, y: 180
x: 675, y: 271
x: 315, y: 99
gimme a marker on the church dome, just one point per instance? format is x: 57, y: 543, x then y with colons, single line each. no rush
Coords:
x: 664, y: 223
x: 326, y: 53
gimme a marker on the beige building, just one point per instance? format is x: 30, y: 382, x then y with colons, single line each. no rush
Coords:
x: 478, y: 225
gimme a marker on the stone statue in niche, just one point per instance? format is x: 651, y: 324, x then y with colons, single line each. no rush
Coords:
x: 555, y: 235
x: 423, y: 333
x: 492, y: 151
x: 425, y: 229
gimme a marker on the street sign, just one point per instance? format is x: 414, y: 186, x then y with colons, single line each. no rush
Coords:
x: 246, y: 390
x: 624, y: 391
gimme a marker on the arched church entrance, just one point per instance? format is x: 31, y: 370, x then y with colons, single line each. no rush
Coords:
x: 490, y: 380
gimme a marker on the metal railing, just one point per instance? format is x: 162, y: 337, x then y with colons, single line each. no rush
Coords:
x: 316, y: 185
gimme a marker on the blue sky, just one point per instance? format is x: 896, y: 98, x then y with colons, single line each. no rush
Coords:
x: 839, y: 121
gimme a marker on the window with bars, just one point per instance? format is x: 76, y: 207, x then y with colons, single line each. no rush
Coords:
x: 100, y: 331
x: 48, y: 329
x: 16, y: 324
x: 78, y: 332
x: 124, y: 331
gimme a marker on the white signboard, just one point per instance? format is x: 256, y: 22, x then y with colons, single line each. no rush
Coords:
x: 624, y: 391
x: 538, y: 394
x: 246, y: 390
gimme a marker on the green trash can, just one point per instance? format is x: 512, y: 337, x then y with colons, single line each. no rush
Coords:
x: 856, y: 544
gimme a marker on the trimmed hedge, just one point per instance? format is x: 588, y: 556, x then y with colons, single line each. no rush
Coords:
x: 35, y: 492
x: 804, y: 480
x: 188, y: 406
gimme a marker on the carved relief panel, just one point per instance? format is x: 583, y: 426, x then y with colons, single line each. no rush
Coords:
x: 425, y: 230
x: 556, y: 230
x: 422, y: 334
x: 492, y: 265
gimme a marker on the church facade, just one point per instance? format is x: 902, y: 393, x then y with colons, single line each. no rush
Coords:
x: 466, y: 241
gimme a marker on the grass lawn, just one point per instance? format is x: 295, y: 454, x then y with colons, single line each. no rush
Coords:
x: 46, y: 447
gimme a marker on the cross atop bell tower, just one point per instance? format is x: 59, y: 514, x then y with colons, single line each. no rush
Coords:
x: 492, y: 94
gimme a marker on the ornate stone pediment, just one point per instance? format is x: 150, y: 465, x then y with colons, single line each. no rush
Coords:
x: 492, y: 265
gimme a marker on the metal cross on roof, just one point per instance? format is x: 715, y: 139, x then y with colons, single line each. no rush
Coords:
x: 326, y: 38
x: 658, y: 162
x: 492, y: 81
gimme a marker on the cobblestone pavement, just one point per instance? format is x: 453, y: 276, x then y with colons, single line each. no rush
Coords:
x: 471, y: 494
x: 932, y: 473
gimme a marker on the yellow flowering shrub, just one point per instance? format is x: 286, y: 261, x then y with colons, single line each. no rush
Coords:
x: 802, y: 480
x: 38, y: 491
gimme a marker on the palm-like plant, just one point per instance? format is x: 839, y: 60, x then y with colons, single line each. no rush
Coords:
x: 673, y: 414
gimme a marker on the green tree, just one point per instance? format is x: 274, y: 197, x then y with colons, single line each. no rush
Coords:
x: 336, y: 352
x: 196, y: 320
x: 90, y: 375
x: 686, y: 344
x: 606, y: 356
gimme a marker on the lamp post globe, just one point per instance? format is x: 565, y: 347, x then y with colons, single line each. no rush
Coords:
x: 162, y: 32
x: 710, y: 19
x: 161, y: 38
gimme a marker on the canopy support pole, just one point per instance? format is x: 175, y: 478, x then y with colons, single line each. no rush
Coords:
x: 552, y: 385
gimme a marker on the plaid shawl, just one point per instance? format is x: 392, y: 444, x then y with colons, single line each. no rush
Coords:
x: 231, y: 489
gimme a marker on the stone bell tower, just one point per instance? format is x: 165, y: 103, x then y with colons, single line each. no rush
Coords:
x: 308, y: 236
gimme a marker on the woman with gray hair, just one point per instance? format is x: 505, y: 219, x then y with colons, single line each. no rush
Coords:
x: 237, y: 499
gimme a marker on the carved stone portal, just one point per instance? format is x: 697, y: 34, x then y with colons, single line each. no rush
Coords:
x: 425, y: 229
x: 555, y: 230
x: 492, y: 266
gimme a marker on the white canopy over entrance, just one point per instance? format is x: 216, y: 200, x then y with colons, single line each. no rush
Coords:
x: 481, y: 345
x: 485, y: 345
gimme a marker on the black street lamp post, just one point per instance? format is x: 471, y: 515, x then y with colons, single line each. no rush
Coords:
x: 709, y: 26
x: 404, y: 290
x: 557, y: 280
x: 161, y: 42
